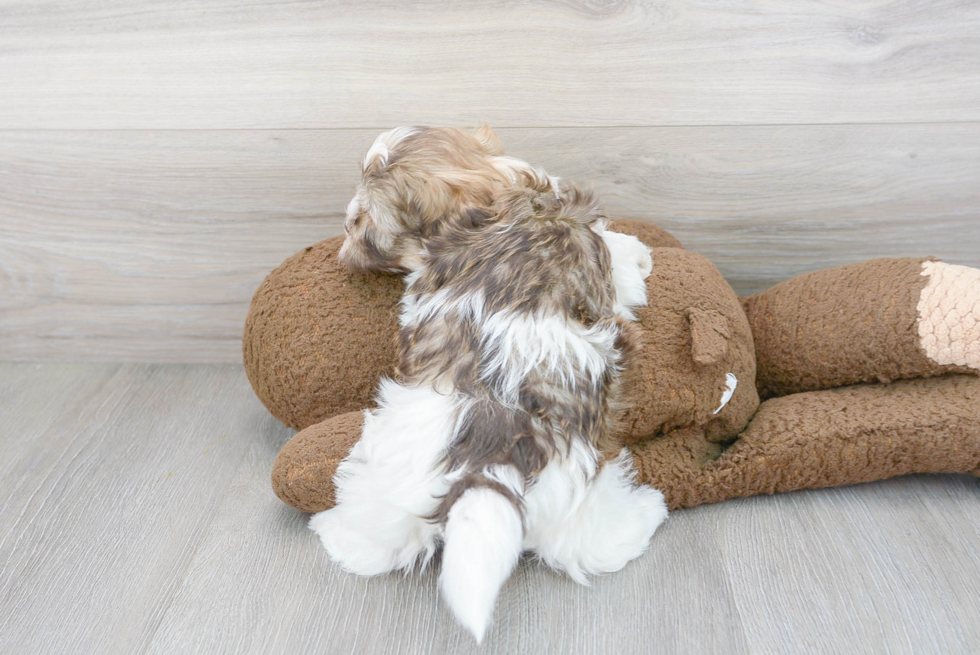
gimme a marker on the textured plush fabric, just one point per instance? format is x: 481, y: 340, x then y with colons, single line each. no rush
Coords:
x: 303, y: 473
x: 318, y: 338
x: 803, y: 441
x: 845, y: 325
x: 648, y: 233
x: 825, y: 438
x: 949, y: 314
x: 664, y: 385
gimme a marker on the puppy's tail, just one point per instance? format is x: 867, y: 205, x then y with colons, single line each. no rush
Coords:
x: 484, y: 534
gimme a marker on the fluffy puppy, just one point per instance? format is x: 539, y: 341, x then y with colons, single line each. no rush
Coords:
x: 414, y: 180
x: 514, y: 325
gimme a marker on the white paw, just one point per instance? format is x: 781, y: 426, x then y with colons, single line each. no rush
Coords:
x: 632, y: 264
x: 389, y: 483
x: 591, y: 527
x: 627, y: 517
x: 628, y: 537
x: 351, y: 548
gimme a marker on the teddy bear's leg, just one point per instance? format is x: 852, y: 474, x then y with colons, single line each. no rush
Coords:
x: 876, y: 321
x: 584, y: 526
x: 302, y: 475
x: 631, y: 266
x: 824, y: 438
x: 390, y: 484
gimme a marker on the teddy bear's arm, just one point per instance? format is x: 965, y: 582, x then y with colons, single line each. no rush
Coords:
x: 824, y: 438
x: 876, y: 321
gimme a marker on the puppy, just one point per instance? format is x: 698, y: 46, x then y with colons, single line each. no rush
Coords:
x: 415, y: 180
x: 493, y: 438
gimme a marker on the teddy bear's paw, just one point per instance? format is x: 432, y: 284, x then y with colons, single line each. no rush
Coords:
x: 369, y: 547
x: 605, y: 527
x: 949, y: 314
x: 632, y: 264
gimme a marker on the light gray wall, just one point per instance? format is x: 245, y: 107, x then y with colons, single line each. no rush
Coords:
x: 158, y: 158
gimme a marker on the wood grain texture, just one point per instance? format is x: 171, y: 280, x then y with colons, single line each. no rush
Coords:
x: 866, y: 566
x: 104, y: 505
x: 259, y: 64
x: 147, y: 246
x: 140, y: 519
x: 298, y: 601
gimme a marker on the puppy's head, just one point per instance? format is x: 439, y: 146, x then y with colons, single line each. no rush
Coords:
x: 416, y: 179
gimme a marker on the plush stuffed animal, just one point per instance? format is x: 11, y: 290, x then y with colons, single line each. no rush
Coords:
x: 866, y: 371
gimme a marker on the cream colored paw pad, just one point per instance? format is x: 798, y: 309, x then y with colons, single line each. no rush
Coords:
x: 949, y: 314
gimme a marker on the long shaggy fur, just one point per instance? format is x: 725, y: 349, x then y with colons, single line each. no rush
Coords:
x: 414, y: 180
x: 515, y: 320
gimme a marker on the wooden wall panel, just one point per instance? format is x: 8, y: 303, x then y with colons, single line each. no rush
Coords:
x: 147, y: 245
x: 141, y: 64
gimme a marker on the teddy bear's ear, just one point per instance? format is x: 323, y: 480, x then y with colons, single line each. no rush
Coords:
x: 489, y: 140
x: 709, y: 336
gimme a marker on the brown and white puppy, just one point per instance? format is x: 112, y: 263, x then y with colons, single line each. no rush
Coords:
x: 514, y: 322
x: 416, y: 180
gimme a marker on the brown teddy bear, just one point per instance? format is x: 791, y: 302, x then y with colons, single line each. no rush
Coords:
x: 866, y: 371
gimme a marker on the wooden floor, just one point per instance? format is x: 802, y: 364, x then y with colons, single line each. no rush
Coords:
x: 136, y: 516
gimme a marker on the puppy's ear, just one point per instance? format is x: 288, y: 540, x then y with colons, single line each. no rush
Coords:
x: 489, y: 140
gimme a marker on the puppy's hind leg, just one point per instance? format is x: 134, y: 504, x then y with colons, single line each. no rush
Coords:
x: 390, y: 484
x: 584, y: 525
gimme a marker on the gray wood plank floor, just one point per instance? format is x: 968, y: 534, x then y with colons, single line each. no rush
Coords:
x: 136, y: 515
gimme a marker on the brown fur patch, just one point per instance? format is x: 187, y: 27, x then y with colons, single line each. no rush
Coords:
x: 532, y: 256
x: 432, y: 176
x: 486, y: 235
